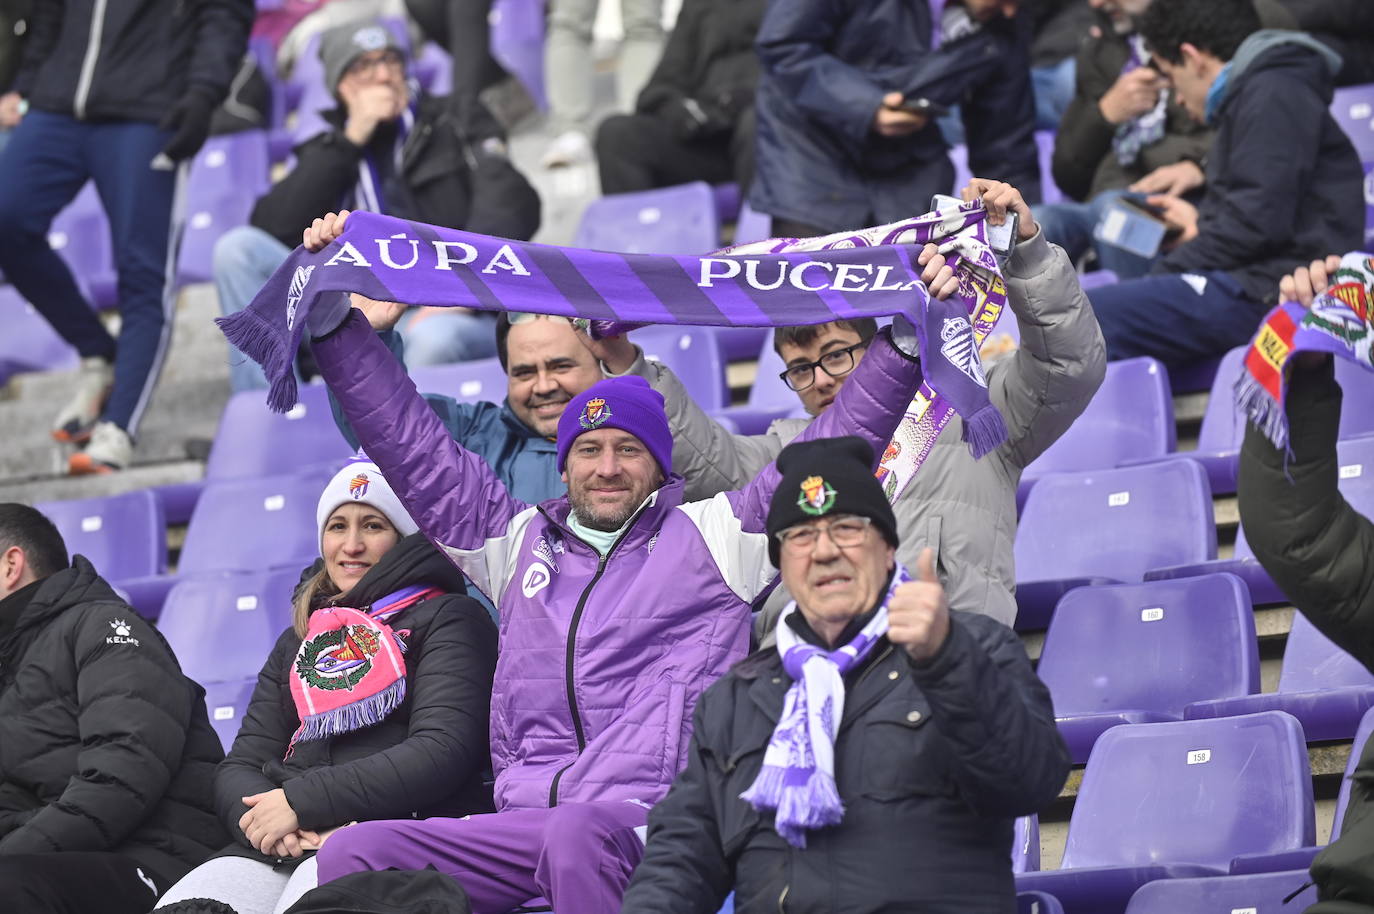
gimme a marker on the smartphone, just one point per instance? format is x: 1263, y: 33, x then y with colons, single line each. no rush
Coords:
x: 1001, y: 238
x: 923, y: 106
x: 1132, y: 225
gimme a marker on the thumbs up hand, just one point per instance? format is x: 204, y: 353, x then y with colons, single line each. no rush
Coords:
x: 918, y: 616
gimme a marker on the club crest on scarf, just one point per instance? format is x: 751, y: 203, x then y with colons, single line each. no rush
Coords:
x: 357, y: 486
x: 961, y: 349
x: 596, y: 412
x: 817, y: 497
x: 338, y: 659
x: 299, y: 280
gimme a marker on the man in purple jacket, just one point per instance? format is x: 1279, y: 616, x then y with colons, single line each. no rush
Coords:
x: 619, y: 605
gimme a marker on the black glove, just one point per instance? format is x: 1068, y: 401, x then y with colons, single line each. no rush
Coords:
x: 190, y: 119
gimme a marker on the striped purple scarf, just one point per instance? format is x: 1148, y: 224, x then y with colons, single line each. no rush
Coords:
x: 778, y: 283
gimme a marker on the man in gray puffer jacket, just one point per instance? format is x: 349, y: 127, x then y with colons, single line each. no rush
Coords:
x: 964, y: 509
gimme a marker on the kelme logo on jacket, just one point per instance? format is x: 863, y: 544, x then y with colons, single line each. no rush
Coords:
x: 121, y: 633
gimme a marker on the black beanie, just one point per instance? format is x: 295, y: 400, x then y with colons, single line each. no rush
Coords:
x: 823, y: 477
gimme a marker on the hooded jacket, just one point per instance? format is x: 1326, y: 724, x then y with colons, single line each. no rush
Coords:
x: 1276, y: 199
x: 429, y: 757
x: 964, y: 509
x: 131, y: 59
x: 104, y: 744
x: 602, y: 658
x: 933, y: 762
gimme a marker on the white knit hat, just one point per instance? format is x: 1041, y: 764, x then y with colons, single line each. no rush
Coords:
x: 361, y: 481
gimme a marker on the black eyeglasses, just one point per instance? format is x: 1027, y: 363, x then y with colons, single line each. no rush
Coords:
x: 837, y: 363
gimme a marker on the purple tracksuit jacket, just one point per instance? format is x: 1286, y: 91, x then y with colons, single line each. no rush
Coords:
x: 602, y: 660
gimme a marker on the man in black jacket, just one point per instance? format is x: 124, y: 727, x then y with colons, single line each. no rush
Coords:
x: 106, y: 752
x: 121, y: 92
x: 1283, y: 182
x: 911, y: 735
x: 387, y: 152
x: 694, y: 121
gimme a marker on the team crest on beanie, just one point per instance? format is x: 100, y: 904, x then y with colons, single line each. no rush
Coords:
x: 357, y: 486
x: 370, y: 37
x: 595, y: 413
x: 817, y: 496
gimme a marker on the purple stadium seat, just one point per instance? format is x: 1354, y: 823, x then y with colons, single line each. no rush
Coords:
x: 693, y: 353
x: 770, y: 398
x: 226, y: 703
x: 670, y: 220
x: 1180, y: 799
x: 1194, y: 377
x: 1321, y: 685
x: 29, y: 342
x: 1044, y: 144
x: 1140, y: 653
x: 1097, y: 278
x: 80, y: 234
x: 727, y: 201
x: 1263, y: 894
x: 467, y: 382
x: 1108, y: 527
x: 1356, y: 458
x: 227, y: 177
x: 1362, y: 735
x: 433, y: 68
x: 1353, y: 109
x: 1025, y: 845
x: 1037, y: 903
x: 253, y: 441
x: 254, y: 524
x: 738, y: 344
x: 751, y: 225
x: 125, y: 538
x: 517, y: 42
x: 222, y: 627
x: 1131, y: 416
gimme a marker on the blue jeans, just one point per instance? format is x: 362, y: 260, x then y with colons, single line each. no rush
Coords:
x: 46, y: 161
x: 245, y: 258
x: 451, y: 335
x: 1177, y: 318
x: 1070, y: 225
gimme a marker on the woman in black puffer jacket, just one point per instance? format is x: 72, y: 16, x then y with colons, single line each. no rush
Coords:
x: 374, y: 711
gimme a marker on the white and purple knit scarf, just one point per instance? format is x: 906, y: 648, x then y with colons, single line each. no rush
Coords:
x: 798, y: 775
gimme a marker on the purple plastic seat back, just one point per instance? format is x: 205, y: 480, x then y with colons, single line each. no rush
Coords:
x: 1131, y: 416
x: 1265, y: 893
x: 752, y: 225
x: 1353, y: 109
x: 1357, y: 410
x: 1025, y: 845
x: 253, y: 441
x: 29, y: 342
x: 1223, y: 427
x: 433, y: 68
x: 1362, y: 735
x: 123, y: 535
x: 222, y: 627
x: 1116, y: 523
x: 1044, y: 144
x: 1154, y: 646
x: 517, y: 42
x: 670, y: 220
x: 1193, y: 791
x: 481, y: 380
x: 228, y: 176
x: 769, y: 390
x: 1311, y: 662
x: 80, y: 234
x: 1037, y: 903
x: 256, y: 523
x: 226, y: 703
x: 693, y: 353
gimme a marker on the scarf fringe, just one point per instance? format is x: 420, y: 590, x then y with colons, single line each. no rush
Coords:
x: 1259, y: 405
x: 815, y: 804
x: 260, y: 341
x: 365, y: 712
x: 984, y: 431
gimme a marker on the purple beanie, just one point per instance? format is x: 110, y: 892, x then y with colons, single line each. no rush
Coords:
x: 627, y: 403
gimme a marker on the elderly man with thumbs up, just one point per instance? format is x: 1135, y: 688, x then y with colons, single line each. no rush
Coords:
x: 877, y: 757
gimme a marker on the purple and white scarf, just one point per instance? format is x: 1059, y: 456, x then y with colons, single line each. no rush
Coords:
x: 798, y: 775
x: 1148, y: 129
x: 780, y: 282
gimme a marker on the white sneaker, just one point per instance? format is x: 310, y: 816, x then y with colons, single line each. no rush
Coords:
x: 568, y: 148
x: 93, y: 382
x: 110, y: 449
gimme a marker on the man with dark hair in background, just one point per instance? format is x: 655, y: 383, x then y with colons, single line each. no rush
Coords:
x: 106, y: 752
x: 1283, y: 182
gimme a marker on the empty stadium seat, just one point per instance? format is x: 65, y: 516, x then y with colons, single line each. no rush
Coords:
x: 517, y: 42
x: 1108, y: 527
x: 769, y: 398
x: 228, y: 175
x: 467, y: 382
x: 1180, y: 799
x: 253, y: 441
x: 1139, y: 653
x: 254, y: 524
x: 670, y: 220
x: 222, y: 627
x: 1321, y: 685
x: 1130, y: 417
x: 226, y: 703
x: 1266, y: 893
x: 693, y: 353
x: 29, y: 342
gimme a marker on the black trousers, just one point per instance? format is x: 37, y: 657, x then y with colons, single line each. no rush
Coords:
x: 461, y: 28
x: 638, y: 152
x: 78, y: 883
